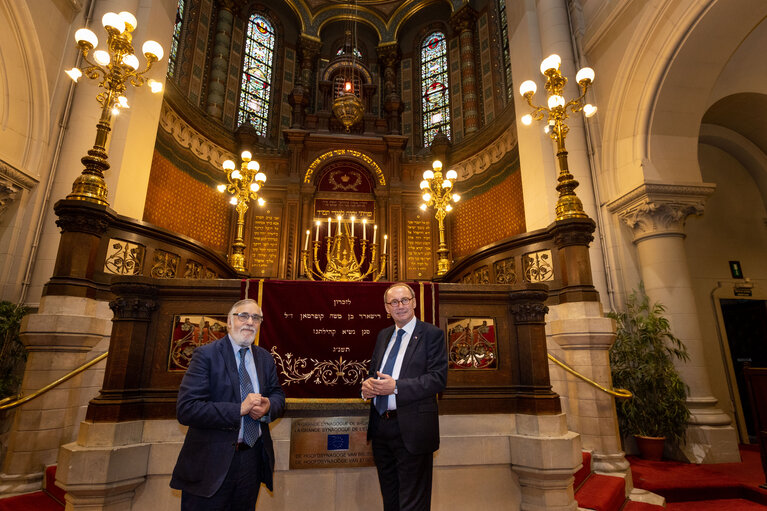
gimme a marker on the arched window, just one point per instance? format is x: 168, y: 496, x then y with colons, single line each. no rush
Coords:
x: 174, y: 43
x: 256, y: 86
x: 435, y: 102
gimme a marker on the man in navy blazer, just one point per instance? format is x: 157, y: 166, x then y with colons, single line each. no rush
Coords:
x: 228, y: 452
x: 407, y: 371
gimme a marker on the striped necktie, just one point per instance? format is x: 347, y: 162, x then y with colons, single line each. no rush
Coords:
x: 251, y: 429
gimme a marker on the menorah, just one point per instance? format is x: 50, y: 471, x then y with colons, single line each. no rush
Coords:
x: 342, y: 262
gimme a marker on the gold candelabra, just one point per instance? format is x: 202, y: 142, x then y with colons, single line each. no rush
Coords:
x: 115, y: 67
x: 568, y: 204
x: 244, y: 184
x: 437, y: 193
x: 347, y: 258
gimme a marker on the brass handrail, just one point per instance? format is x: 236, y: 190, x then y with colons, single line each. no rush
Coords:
x: 619, y: 393
x: 14, y: 401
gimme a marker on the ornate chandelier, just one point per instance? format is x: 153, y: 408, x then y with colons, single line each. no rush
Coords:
x: 347, y: 106
x: 114, y: 67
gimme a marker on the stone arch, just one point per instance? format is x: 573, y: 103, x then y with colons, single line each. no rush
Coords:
x: 663, y: 87
x: 25, y: 115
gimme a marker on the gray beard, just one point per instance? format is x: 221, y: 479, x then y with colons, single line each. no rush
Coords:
x: 242, y: 343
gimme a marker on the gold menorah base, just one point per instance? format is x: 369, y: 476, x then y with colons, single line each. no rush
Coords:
x: 342, y: 263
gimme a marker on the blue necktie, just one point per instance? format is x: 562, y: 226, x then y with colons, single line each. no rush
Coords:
x: 382, y: 402
x: 250, y: 428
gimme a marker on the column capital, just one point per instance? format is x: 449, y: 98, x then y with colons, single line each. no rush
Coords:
x: 309, y: 46
x: 388, y: 54
x: 660, y: 209
x: 463, y: 19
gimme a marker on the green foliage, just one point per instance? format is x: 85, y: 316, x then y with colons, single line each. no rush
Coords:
x: 642, y: 362
x: 12, y: 352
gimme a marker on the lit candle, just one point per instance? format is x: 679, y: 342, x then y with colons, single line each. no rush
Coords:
x: 386, y: 238
x: 329, y: 226
x: 317, y: 236
x: 306, y: 242
x: 375, y: 231
x: 353, y: 219
x: 339, y: 225
x: 364, y: 225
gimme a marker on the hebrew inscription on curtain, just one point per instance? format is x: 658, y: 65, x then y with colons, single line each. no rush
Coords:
x: 322, y: 334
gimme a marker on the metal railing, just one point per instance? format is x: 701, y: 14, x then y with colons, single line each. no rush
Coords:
x: 14, y: 401
x: 619, y: 393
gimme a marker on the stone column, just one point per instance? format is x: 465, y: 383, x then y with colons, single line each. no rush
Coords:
x: 656, y: 214
x: 463, y: 23
x: 308, y: 49
x: 389, y: 58
x: 60, y: 337
x: 544, y: 454
x: 578, y: 326
x: 219, y: 64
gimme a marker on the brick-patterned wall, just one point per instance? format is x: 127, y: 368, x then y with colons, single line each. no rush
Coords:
x: 178, y: 202
x: 488, y: 217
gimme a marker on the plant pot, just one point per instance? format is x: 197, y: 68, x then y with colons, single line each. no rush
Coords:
x: 650, y: 447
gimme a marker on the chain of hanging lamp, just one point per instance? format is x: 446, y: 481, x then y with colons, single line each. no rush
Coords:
x: 347, y: 106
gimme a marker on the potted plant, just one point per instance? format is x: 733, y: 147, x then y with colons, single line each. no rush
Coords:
x: 12, y: 352
x: 642, y: 361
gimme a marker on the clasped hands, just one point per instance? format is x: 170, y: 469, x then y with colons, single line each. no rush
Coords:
x: 255, y: 405
x: 381, y: 386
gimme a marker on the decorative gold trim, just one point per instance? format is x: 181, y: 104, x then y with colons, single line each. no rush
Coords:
x: 326, y: 400
x: 326, y: 157
x: 325, y: 372
x: 619, y: 393
x: 259, y: 300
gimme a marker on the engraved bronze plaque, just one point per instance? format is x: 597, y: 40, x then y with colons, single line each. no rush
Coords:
x: 330, y: 442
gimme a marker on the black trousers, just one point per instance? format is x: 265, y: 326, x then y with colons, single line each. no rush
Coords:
x: 239, y: 491
x: 405, y: 478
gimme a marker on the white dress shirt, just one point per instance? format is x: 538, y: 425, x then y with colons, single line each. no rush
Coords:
x: 408, y: 328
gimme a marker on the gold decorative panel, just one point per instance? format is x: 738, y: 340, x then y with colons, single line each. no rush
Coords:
x: 538, y: 266
x: 124, y: 258
x: 194, y: 270
x: 482, y: 275
x: 165, y: 265
x: 505, y: 272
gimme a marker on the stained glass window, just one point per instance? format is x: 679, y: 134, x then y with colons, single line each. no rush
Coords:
x: 505, y: 47
x: 355, y: 51
x: 434, y: 87
x: 255, y: 90
x: 174, y: 43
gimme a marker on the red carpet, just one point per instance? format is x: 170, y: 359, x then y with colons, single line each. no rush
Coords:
x: 716, y: 505
x: 722, y: 486
x: 39, y: 501
x: 50, y: 498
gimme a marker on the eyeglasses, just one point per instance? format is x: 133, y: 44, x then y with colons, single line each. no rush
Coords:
x: 395, y: 303
x: 244, y: 316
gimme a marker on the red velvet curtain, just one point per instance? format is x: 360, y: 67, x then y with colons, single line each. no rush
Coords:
x: 322, y: 334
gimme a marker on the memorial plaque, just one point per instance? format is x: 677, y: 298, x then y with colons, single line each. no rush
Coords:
x: 330, y: 442
x: 265, y: 245
x: 419, y: 248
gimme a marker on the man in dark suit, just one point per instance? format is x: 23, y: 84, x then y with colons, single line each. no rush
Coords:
x: 228, y: 397
x: 407, y: 371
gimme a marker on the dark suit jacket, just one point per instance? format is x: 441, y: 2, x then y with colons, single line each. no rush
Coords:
x: 209, y: 403
x: 422, y: 376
